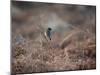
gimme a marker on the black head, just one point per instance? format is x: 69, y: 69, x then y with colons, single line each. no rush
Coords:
x: 49, y: 29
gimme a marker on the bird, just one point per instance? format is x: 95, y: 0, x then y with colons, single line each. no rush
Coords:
x: 45, y: 37
x: 47, y: 34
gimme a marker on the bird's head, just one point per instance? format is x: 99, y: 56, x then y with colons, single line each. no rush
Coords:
x: 49, y: 29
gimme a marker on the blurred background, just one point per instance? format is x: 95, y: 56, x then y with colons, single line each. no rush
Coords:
x: 73, y: 37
